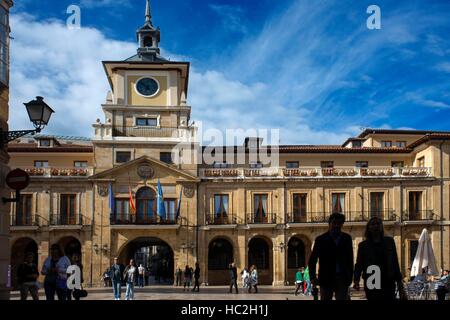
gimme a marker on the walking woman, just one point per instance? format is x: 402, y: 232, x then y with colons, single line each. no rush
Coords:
x: 130, y: 275
x: 253, y: 279
x: 378, y: 250
x: 187, y: 277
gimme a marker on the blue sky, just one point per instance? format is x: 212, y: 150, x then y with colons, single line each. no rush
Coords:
x: 310, y: 68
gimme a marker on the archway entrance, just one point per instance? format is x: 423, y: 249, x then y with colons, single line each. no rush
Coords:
x: 261, y: 255
x: 155, y: 255
x: 70, y: 245
x: 296, y: 257
x: 220, y: 255
x: 18, y: 250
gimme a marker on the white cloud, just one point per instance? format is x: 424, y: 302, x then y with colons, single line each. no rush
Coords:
x: 232, y: 17
x: 421, y: 100
x: 444, y: 67
x: 104, y: 3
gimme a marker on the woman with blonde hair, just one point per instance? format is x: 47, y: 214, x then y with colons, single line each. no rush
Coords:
x: 253, y: 279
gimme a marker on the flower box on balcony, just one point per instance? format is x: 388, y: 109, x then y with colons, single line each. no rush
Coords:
x: 230, y: 173
x: 35, y: 172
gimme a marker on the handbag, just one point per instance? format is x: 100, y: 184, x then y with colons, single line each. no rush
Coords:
x: 77, y: 293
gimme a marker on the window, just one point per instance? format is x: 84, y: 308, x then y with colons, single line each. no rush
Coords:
x: 41, y: 164
x: 356, y: 144
x: 147, y: 122
x: 80, y: 164
x: 397, y: 164
x: 4, y: 46
x: 146, y: 205
x: 23, y: 216
x: 299, y: 207
x: 421, y: 162
x: 122, y: 211
x: 220, y: 207
x: 292, y: 164
x: 67, y: 215
x: 338, y: 203
x: 386, y: 144
x: 166, y: 157
x: 123, y: 156
x: 260, y: 208
x: 413, y: 245
x: 376, y: 204
x: 45, y: 143
x: 256, y: 165
x: 415, y: 205
x: 400, y: 144
x: 171, y: 209
x: 362, y: 164
x: 327, y: 164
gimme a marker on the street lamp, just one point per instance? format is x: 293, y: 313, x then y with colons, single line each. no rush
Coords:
x: 39, y: 113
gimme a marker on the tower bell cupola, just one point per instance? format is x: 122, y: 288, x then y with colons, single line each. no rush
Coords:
x: 148, y: 38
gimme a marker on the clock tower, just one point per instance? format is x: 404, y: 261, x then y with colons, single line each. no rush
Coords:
x: 146, y: 112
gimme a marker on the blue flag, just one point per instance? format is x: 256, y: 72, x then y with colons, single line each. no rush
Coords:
x: 179, y: 205
x: 111, y: 198
x: 160, y: 206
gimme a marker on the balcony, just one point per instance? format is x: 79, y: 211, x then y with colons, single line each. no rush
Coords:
x: 217, y: 220
x: 143, y: 220
x: 261, y: 218
x: 25, y: 222
x: 64, y: 220
x: 386, y: 215
x: 314, y: 173
x: 58, y: 172
x: 419, y: 215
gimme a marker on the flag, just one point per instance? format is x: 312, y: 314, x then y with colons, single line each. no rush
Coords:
x: 131, y: 201
x: 179, y: 205
x: 111, y: 198
x: 160, y: 206
x: 132, y: 205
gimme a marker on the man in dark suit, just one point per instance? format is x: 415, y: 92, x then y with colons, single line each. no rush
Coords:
x: 334, y: 251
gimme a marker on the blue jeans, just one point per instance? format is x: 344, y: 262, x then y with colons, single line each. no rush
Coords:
x: 141, y: 281
x: 129, y: 295
x: 116, y: 289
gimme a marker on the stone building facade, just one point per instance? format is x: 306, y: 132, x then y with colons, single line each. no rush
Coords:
x: 5, y: 5
x: 215, y: 213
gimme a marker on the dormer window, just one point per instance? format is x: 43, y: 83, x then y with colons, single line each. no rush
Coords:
x: 386, y: 144
x: 256, y: 165
x: 45, y: 143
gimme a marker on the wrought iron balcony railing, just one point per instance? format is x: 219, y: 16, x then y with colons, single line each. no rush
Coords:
x: 261, y: 218
x: 138, y: 219
x: 419, y: 215
x: 68, y: 220
x: 25, y: 220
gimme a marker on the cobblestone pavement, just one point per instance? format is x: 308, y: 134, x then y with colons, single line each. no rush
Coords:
x: 206, y: 293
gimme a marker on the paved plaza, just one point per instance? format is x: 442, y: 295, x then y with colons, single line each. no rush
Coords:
x: 206, y: 293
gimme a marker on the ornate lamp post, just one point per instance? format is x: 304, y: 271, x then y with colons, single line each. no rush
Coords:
x: 39, y: 113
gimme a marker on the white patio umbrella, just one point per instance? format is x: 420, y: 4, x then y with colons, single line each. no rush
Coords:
x: 424, y: 256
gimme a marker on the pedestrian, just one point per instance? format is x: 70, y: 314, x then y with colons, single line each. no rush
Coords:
x: 245, y: 275
x: 306, y: 282
x: 116, y: 278
x: 196, y: 277
x: 54, y: 270
x: 107, y: 278
x: 27, y: 275
x: 334, y: 252
x: 141, y: 271
x: 187, y: 278
x: 253, y: 279
x: 380, y: 251
x: 130, y: 274
x: 233, y: 277
x: 443, y: 286
x: 298, y: 280
x: 76, y: 260
x: 178, y: 276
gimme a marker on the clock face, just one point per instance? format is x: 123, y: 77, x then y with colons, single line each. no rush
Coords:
x: 147, y: 87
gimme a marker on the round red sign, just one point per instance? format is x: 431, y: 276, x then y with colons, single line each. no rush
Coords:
x: 17, y: 179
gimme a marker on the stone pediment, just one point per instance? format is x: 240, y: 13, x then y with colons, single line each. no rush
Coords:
x: 148, y: 169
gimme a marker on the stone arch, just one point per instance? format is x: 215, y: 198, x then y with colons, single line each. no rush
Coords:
x: 19, y: 248
x: 260, y: 253
x: 220, y: 255
x: 154, y: 253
